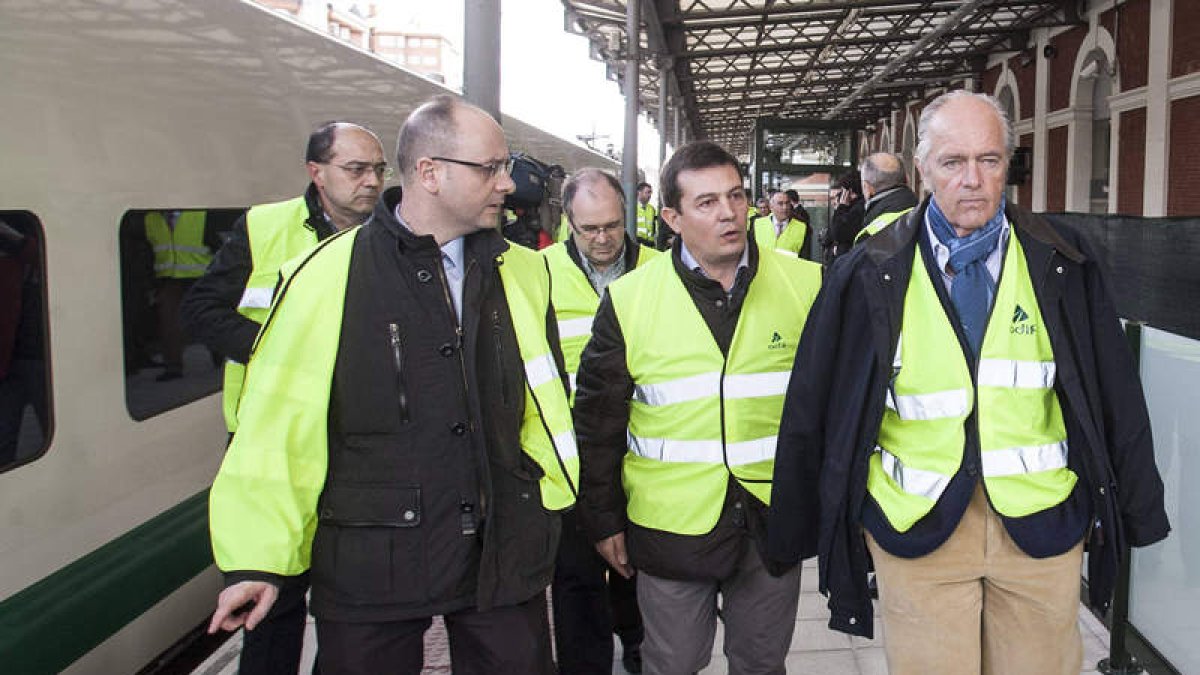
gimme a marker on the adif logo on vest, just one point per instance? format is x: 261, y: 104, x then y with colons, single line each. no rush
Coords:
x: 777, y: 341
x: 1021, y: 324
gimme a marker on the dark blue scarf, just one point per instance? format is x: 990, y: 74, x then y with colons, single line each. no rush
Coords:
x: 973, y: 288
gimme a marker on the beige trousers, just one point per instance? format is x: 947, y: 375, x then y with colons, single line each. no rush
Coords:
x: 979, y: 604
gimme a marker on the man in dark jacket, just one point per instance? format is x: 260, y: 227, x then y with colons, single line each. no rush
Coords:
x: 887, y: 197
x: 225, y: 308
x: 975, y: 427
x: 846, y: 217
x: 405, y: 426
x: 677, y: 408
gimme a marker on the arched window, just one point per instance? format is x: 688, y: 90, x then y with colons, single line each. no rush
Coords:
x: 1102, y: 87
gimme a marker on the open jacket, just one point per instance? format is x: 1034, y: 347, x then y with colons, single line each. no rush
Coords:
x: 835, y: 404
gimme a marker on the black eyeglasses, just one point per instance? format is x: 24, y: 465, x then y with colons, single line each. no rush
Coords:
x: 359, y: 169
x: 493, y: 169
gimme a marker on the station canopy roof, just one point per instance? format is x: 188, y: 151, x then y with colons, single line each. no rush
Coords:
x: 728, y: 62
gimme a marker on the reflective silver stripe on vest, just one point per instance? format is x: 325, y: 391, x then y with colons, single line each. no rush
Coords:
x: 565, y: 446
x: 1019, y: 374
x: 573, y: 377
x: 932, y: 406
x: 754, y: 385
x: 256, y: 298
x: 574, y: 327
x: 681, y: 390
x: 1022, y: 460
x: 929, y: 484
x: 540, y: 370
x: 703, y: 452
x: 704, y: 385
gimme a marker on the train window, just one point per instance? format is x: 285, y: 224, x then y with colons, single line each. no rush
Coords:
x: 163, y: 252
x: 26, y: 421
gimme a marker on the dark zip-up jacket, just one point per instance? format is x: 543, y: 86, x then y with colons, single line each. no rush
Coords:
x: 429, y: 505
x: 891, y: 200
x: 209, y: 309
x: 601, y: 415
x: 835, y: 403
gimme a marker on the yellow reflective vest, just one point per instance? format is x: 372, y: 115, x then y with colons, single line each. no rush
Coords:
x: 1022, y: 438
x: 576, y: 302
x: 698, y: 416
x: 263, y: 502
x: 645, y: 221
x: 276, y: 233
x: 881, y: 221
x: 179, y: 252
x: 791, y: 240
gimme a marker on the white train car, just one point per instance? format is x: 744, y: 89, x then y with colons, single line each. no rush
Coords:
x: 109, y: 108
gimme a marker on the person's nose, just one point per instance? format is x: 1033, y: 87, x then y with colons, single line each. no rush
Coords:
x: 971, y: 174
x: 505, y: 184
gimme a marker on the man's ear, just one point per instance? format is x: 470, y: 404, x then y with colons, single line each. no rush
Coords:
x: 671, y: 216
x: 427, y: 175
x: 314, y: 173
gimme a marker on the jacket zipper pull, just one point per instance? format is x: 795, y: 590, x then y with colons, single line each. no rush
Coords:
x: 398, y: 361
x: 467, y: 515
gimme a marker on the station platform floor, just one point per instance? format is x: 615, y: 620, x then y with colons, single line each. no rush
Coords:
x: 815, y: 650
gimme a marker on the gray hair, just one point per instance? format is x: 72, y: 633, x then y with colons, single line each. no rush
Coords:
x: 931, y: 111
x: 428, y: 131
x: 588, y: 177
x: 882, y: 170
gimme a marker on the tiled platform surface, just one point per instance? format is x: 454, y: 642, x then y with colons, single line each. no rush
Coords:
x: 816, y: 650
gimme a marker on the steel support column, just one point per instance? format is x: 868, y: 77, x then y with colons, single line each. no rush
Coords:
x: 629, y: 164
x: 664, y: 65
x: 481, y: 55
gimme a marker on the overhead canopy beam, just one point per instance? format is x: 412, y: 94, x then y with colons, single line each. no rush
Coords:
x: 920, y: 46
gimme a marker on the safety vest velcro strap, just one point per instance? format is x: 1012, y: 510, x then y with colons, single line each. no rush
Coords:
x: 695, y: 387
x: 565, y: 445
x: 931, y: 406
x: 540, y: 370
x: 1022, y: 460
x: 928, y: 484
x: 703, y: 451
x: 574, y: 327
x: 256, y: 298
x: 1018, y: 374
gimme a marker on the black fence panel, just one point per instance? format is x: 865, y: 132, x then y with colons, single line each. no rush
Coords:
x: 1153, y: 266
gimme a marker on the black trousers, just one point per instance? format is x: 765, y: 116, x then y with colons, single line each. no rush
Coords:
x: 513, y: 639
x: 591, y: 602
x: 273, y: 647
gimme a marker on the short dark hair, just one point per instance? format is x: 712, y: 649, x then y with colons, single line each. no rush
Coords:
x: 642, y: 185
x: 321, y: 140
x: 793, y: 196
x: 589, y: 176
x: 852, y: 181
x: 691, y: 156
x: 429, y: 130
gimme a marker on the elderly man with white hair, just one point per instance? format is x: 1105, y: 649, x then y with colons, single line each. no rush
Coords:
x: 964, y: 406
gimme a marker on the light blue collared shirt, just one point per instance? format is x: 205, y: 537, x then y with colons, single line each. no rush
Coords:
x: 690, y: 262
x: 452, y: 264
x: 941, y: 254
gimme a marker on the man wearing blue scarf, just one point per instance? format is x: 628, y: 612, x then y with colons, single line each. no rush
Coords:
x: 964, y: 407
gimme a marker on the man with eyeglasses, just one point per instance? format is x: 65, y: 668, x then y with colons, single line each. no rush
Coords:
x: 404, y: 429
x: 225, y: 308
x: 587, y: 608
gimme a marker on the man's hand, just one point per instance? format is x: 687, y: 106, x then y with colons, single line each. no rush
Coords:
x: 228, y: 617
x: 612, y: 550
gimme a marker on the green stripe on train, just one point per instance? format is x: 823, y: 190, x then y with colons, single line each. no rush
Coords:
x: 49, y: 625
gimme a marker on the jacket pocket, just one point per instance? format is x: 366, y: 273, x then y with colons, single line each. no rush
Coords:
x: 370, y: 506
x: 396, y: 343
x: 369, y: 546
